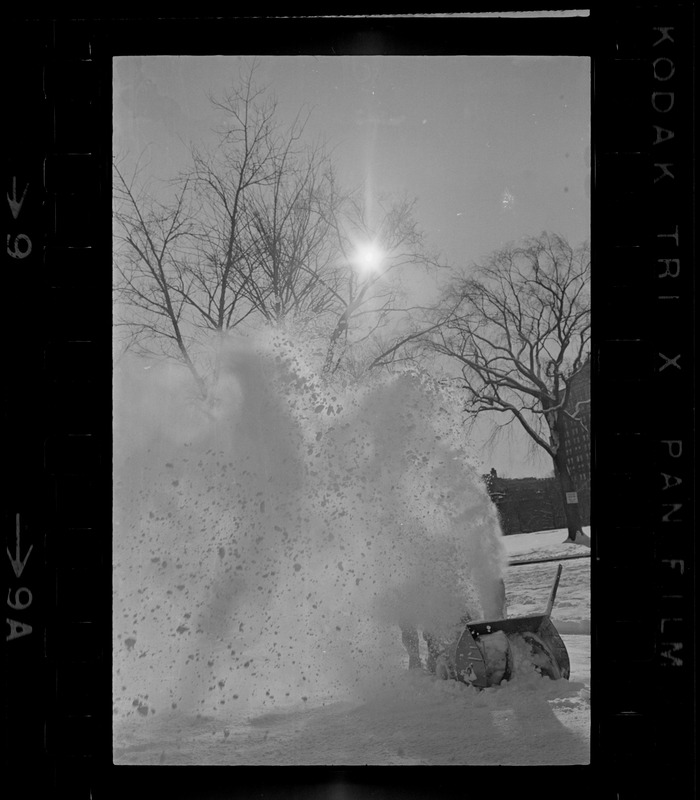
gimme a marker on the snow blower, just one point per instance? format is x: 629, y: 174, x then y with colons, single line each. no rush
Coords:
x: 490, y: 651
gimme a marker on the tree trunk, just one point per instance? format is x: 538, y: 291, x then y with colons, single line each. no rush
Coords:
x: 559, y: 446
x: 566, y: 486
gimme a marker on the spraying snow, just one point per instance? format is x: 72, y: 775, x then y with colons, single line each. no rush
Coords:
x: 266, y: 552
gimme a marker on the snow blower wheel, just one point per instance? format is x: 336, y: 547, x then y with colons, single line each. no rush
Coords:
x: 489, y: 651
x: 542, y: 658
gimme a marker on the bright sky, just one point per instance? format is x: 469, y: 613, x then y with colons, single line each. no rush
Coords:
x: 493, y: 148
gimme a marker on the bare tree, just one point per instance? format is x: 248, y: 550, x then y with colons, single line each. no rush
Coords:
x: 240, y: 236
x: 292, y: 254
x: 150, y: 280
x: 257, y: 231
x: 520, y: 333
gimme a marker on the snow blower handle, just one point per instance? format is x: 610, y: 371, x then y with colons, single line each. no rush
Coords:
x: 553, y: 593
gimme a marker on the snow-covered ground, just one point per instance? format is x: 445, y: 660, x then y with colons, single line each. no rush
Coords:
x: 409, y: 717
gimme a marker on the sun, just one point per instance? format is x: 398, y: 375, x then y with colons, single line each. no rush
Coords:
x: 368, y: 258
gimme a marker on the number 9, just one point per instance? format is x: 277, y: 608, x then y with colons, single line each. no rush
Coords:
x: 18, y: 605
x: 16, y: 251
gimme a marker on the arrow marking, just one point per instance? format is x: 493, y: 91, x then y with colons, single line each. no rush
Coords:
x: 16, y: 205
x: 18, y: 564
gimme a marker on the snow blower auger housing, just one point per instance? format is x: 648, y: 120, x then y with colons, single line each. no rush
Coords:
x: 489, y: 651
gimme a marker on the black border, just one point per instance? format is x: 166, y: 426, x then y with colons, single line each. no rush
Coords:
x: 58, y: 339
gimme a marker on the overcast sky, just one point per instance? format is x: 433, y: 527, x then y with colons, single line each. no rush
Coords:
x: 493, y: 148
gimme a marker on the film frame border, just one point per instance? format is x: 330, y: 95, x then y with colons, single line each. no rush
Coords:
x: 642, y: 224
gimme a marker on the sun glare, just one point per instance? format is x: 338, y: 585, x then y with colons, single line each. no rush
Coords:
x: 368, y: 258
